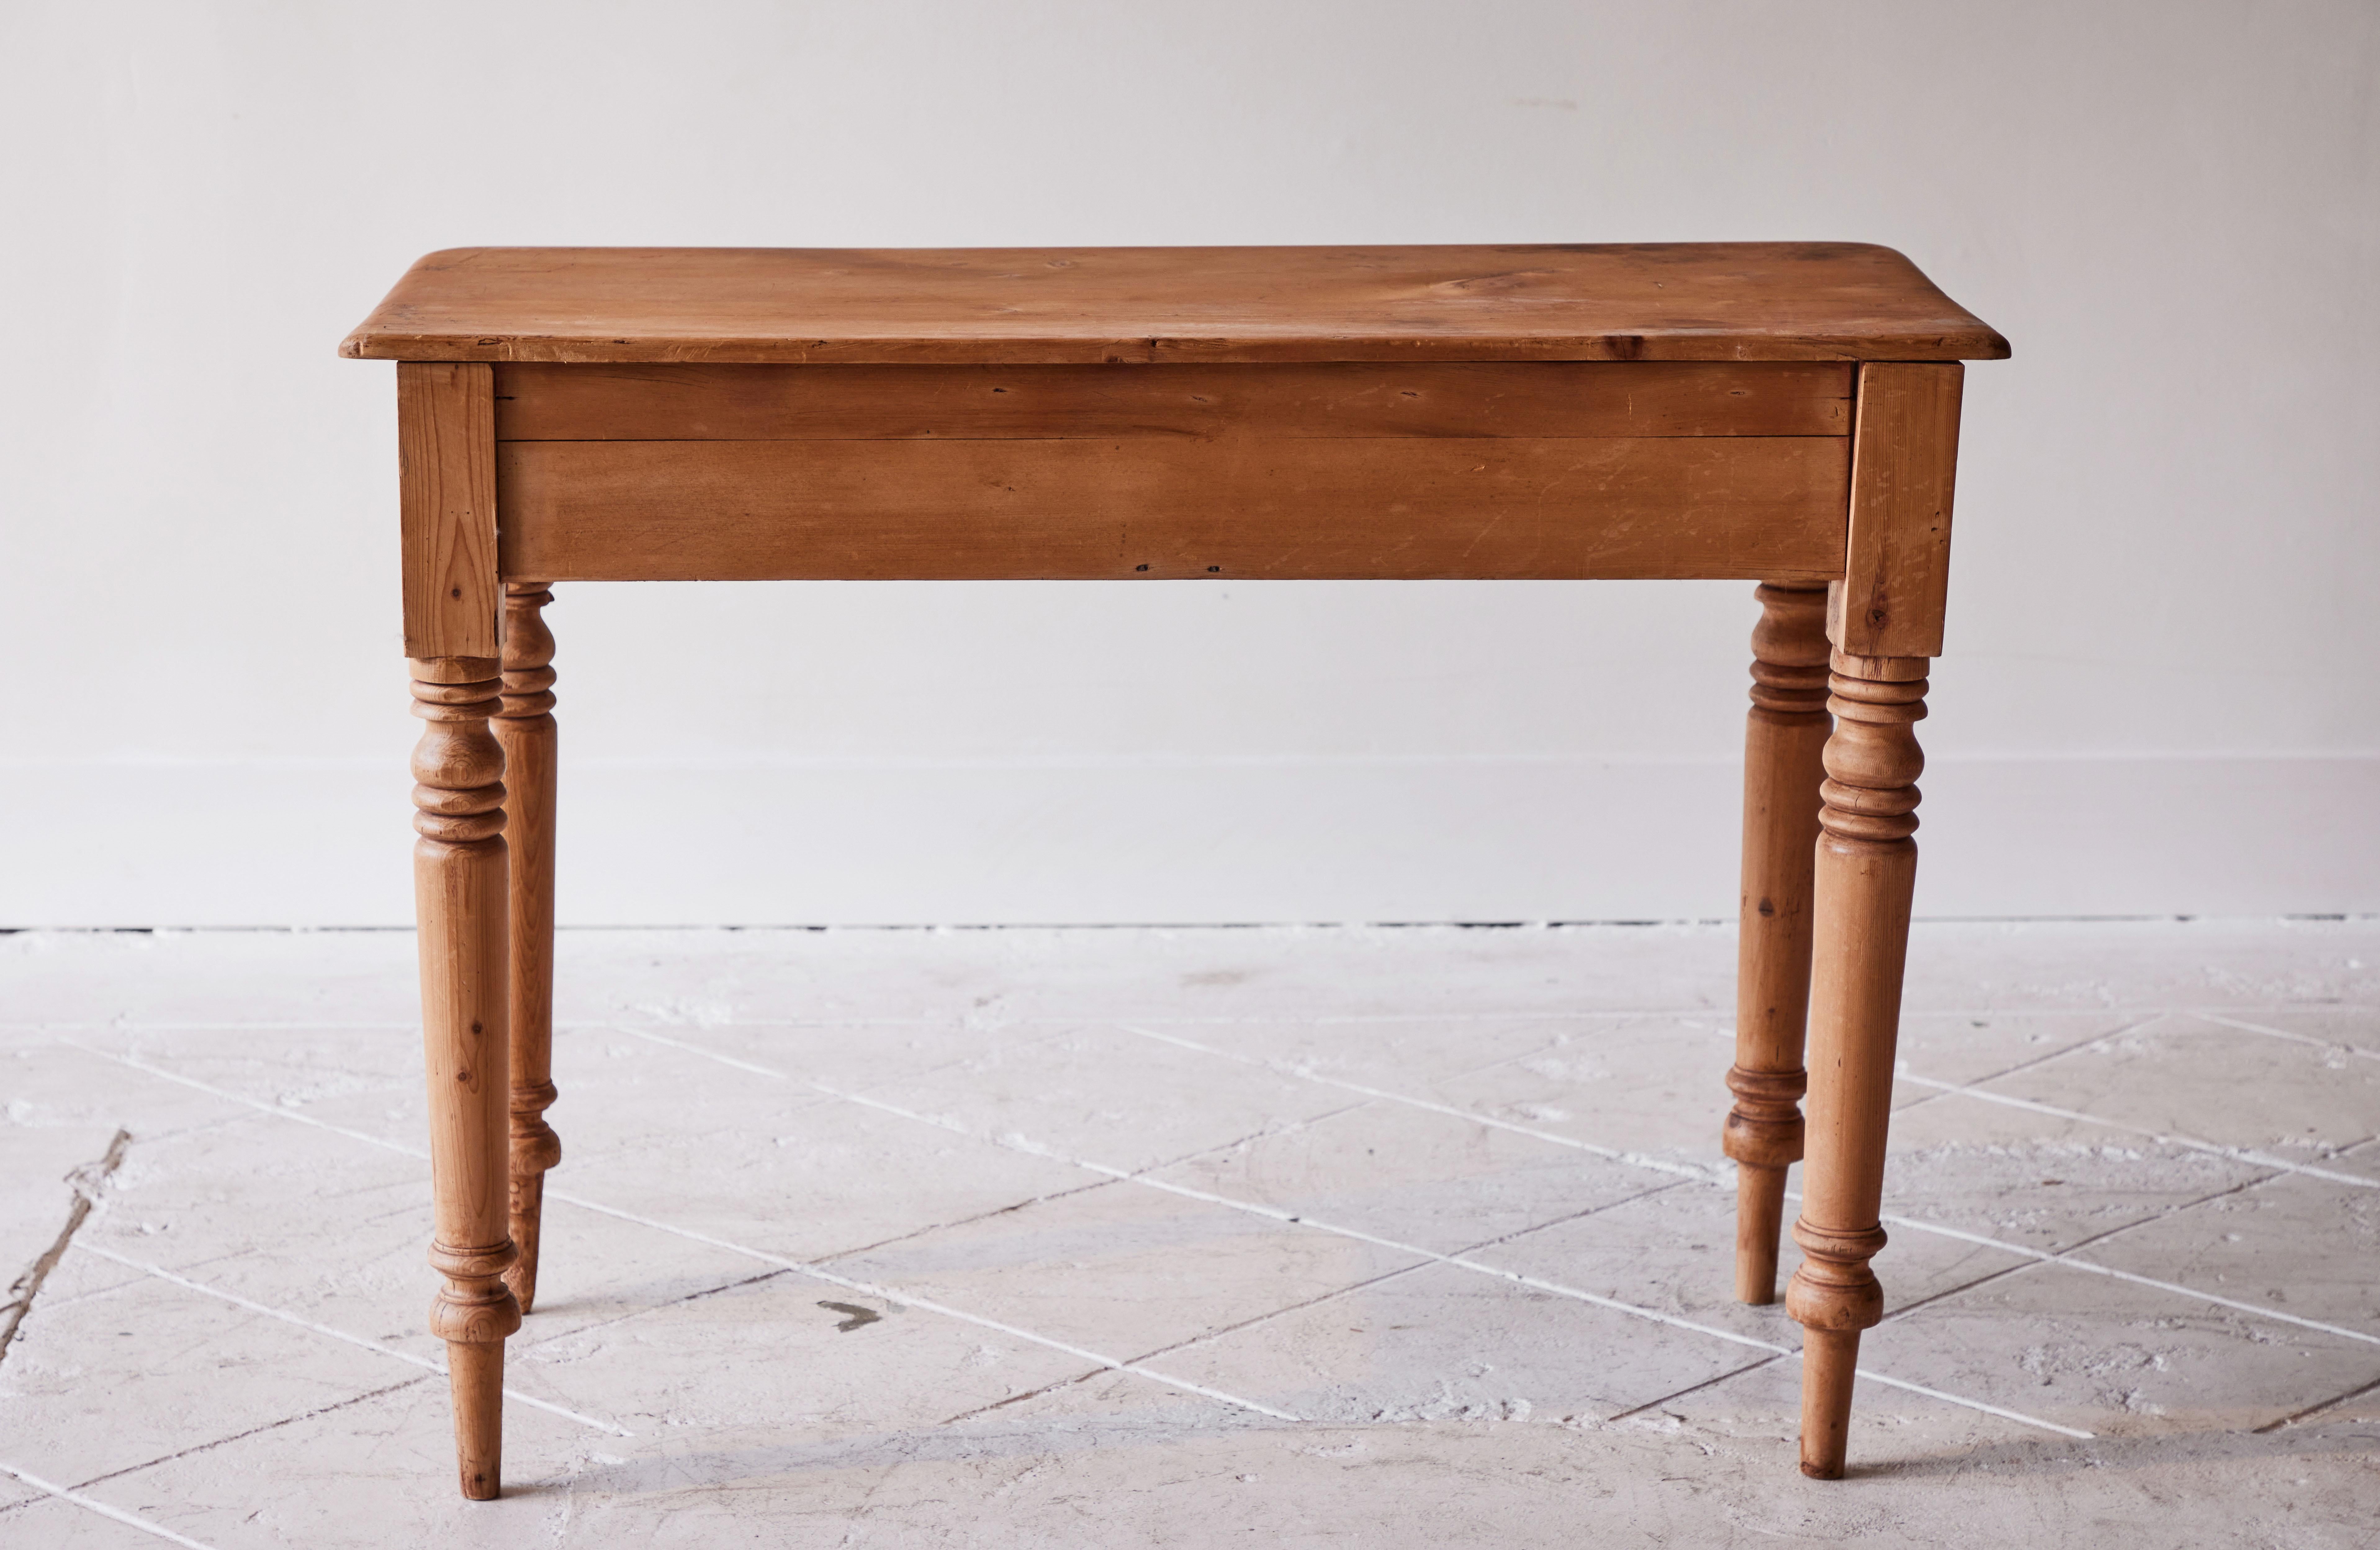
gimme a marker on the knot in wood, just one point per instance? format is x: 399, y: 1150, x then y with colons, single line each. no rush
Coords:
x: 1763, y: 1141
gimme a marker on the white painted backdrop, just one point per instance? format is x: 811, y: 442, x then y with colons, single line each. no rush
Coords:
x: 2160, y: 692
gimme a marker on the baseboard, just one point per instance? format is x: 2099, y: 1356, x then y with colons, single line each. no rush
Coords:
x: 1180, y: 842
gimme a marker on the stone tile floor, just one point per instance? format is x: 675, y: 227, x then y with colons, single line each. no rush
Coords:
x: 1193, y: 1238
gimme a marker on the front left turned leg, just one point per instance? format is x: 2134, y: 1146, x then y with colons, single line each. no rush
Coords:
x: 1866, y: 872
x: 459, y: 886
x: 525, y: 728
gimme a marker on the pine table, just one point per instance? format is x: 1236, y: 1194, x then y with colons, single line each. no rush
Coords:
x: 1782, y: 412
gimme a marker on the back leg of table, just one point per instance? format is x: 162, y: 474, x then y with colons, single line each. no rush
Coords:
x: 525, y: 728
x: 459, y: 866
x: 1785, y: 737
x: 1866, y: 872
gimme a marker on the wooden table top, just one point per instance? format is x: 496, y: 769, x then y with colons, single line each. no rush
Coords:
x: 1085, y: 306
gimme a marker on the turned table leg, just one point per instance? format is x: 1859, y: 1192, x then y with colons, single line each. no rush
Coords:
x: 525, y: 728
x: 1867, y: 871
x: 459, y: 897
x: 1783, y: 738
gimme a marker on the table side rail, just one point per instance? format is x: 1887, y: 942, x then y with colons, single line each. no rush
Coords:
x: 1568, y: 470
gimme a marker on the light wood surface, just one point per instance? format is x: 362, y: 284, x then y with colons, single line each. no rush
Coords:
x: 525, y: 728
x: 1088, y: 306
x: 1867, y: 872
x: 1785, y: 412
x: 1785, y: 735
x: 1904, y: 464
x: 459, y: 888
x: 1743, y: 507
x: 446, y: 498
x: 539, y: 402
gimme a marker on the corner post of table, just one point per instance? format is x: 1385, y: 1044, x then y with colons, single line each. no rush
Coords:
x: 1884, y: 621
x: 1784, y: 736
x: 447, y: 463
x: 525, y: 726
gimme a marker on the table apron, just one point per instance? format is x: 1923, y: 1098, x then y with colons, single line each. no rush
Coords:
x: 1412, y: 508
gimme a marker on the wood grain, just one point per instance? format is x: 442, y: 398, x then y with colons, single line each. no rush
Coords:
x: 1156, y: 508
x: 446, y: 498
x: 1088, y: 306
x: 542, y: 402
x: 1904, y: 465
x: 524, y: 726
x: 1865, y: 876
x: 459, y: 884
x: 1784, y: 737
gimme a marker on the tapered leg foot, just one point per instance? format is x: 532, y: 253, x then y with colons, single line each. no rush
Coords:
x: 524, y: 725
x: 527, y: 1214
x: 478, y: 1375
x: 1784, y: 738
x: 1759, y: 1222
x: 459, y: 868
x: 1829, y: 1359
x: 1866, y: 874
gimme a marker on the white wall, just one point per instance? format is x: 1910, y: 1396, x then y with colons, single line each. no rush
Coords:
x: 2160, y: 692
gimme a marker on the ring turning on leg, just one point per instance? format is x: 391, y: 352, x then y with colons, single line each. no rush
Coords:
x: 1784, y: 736
x: 1867, y: 872
x: 459, y: 884
x: 525, y: 726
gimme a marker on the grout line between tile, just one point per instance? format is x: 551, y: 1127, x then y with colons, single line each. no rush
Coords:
x: 92, y: 1504
x: 422, y: 1361
x: 815, y: 1272
x: 910, y: 1299
x: 256, y: 1431
x: 2340, y: 1045
x: 1910, y: 1222
x: 2237, y: 1153
x: 1694, y: 1388
x: 2134, y: 1026
x: 1688, y: 1171
x: 256, y: 1103
x: 1684, y: 1170
x: 2310, y: 1410
x: 2005, y: 1414
x: 1213, y: 1335
x: 1457, y: 1261
x: 2064, y: 1257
